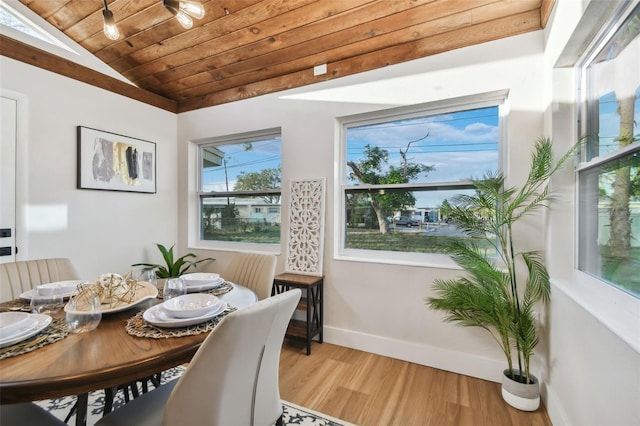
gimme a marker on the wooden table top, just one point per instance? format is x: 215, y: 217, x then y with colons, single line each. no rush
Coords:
x: 102, y: 358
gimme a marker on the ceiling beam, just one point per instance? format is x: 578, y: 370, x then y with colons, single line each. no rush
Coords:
x: 28, y: 54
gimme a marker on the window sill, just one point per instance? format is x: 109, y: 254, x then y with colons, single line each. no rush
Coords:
x: 615, y: 309
x: 425, y: 260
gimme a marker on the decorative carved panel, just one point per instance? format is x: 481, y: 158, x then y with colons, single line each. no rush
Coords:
x: 305, y: 242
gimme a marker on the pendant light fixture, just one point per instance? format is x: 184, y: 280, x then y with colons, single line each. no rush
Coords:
x: 110, y: 29
x: 184, y: 10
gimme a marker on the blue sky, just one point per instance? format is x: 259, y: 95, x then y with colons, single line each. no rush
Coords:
x: 263, y: 154
x: 459, y: 145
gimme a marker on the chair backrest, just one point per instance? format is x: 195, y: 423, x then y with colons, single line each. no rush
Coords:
x: 226, y: 376
x: 268, y: 406
x: 18, y: 277
x: 253, y: 270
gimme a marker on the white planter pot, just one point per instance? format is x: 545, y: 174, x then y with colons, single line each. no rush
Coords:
x: 525, y: 397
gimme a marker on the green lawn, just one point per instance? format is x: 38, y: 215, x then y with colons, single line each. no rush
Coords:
x: 252, y: 233
x: 622, y: 272
x: 418, y: 242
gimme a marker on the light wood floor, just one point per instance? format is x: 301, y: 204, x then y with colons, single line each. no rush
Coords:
x: 372, y: 390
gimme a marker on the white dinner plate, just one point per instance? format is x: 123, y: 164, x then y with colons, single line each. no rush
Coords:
x: 198, y: 278
x: 191, y: 305
x: 145, y: 291
x: 65, y: 287
x: 12, y: 323
x: 34, y: 325
x: 192, y: 287
x: 157, y: 316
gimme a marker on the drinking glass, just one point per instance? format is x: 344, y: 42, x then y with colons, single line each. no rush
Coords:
x: 148, y: 276
x: 174, y: 287
x: 83, y: 312
x: 46, y: 300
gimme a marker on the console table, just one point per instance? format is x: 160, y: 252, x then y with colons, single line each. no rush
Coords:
x: 311, y: 303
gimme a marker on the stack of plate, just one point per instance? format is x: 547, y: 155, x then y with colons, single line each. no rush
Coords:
x: 201, y: 281
x: 185, y: 310
x: 18, y: 326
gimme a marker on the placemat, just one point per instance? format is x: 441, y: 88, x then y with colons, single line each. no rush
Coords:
x: 137, y: 326
x: 57, y: 330
x: 17, y: 305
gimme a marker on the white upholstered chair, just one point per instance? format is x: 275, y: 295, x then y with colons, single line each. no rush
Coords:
x: 231, y: 380
x: 27, y: 414
x: 18, y: 277
x: 253, y: 270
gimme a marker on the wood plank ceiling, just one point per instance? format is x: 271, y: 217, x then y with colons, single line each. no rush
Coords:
x: 245, y: 48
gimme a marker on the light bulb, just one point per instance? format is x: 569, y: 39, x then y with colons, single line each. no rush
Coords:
x: 110, y: 29
x: 184, y: 19
x: 192, y: 8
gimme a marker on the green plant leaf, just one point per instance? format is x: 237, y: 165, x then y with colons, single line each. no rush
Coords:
x: 172, y: 268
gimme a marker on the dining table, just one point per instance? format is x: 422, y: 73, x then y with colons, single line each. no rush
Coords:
x: 100, y: 359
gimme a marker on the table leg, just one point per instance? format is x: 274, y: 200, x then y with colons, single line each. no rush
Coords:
x: 309, y: 307
x: 81, y: 409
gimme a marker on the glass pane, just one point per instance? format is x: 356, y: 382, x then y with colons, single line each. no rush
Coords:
x: 439, y: 148
x: 610, y: 222
x: 420, y: 225
x: 248, y: 166
x: 245, y: 219
x: 614, y: 90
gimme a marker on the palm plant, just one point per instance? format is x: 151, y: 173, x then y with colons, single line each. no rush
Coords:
x: 172, y: 268
x: 489, y: 296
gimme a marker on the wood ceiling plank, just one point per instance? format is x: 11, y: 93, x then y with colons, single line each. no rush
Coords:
x: 545, y: 11
x: 39, y: 58
x: 134, y: 41
x: 301, y: 39
x: 72, y: 13
x: 480, y: 33
x: 188, y: 39
x: 232, y: 76
x: 45, y: 8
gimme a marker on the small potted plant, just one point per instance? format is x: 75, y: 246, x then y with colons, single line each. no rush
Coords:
x: 503, y: 285
x: 172, y: 268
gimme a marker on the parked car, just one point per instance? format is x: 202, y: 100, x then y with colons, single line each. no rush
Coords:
x: 406, y: 221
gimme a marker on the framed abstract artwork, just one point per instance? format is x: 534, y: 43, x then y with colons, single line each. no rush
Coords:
x: 305, y: 242
x: 113, y: 162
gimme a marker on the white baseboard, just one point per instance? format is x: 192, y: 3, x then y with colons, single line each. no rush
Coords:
x: 556, y: 414
x: 443, y: 359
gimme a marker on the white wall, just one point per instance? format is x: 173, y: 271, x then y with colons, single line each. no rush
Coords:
x: 101, y: 231
x: 372, y: 306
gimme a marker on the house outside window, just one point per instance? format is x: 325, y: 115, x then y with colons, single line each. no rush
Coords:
x: 400, y: 168
x: 609, y: 173
x: 239, y: 180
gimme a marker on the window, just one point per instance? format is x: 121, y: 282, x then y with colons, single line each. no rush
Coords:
x: 239, y: 181
x: 609, y: 176
x: 13, y: 20
x: 400, y: 166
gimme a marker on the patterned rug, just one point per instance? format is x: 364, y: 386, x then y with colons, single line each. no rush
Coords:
x: 293, y: 414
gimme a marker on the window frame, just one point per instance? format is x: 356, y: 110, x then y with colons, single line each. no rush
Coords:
x: 498, y: 98
x: 616, y: 309
x: 587, y: 113
x: 237, y: 138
